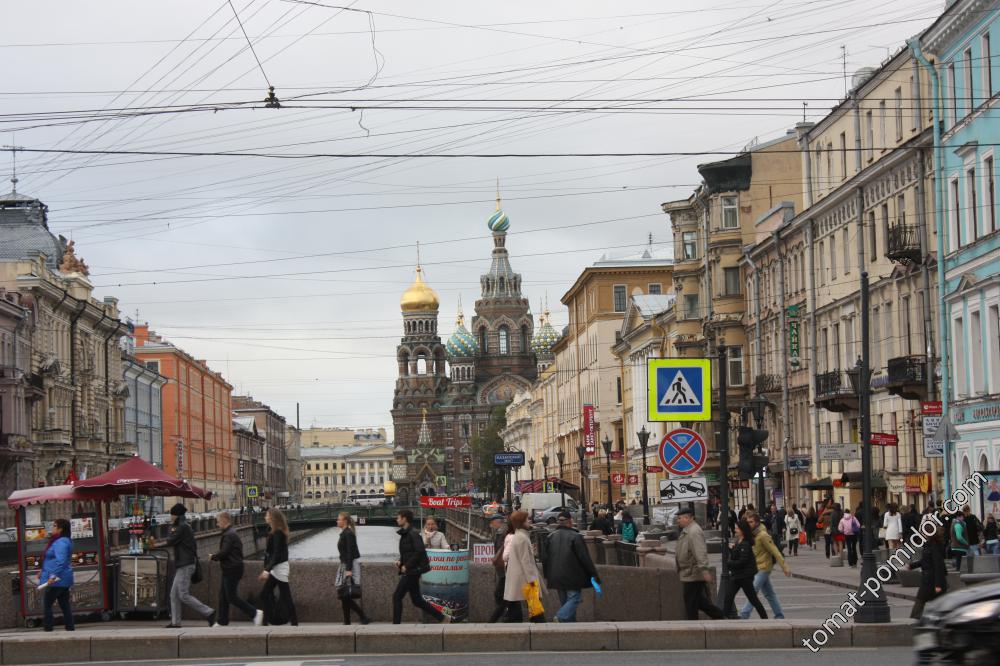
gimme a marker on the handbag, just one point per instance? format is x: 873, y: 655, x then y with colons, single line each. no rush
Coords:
x: 197, y: 576
x: 533, y: 598
x: 349, y: 590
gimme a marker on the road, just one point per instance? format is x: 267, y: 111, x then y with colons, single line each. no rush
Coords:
x: 829, y: 657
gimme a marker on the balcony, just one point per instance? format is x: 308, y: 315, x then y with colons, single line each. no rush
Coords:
x: 767, y: 384
x: 903, y: 244
x: 837, y: 390
x: 907, y: 377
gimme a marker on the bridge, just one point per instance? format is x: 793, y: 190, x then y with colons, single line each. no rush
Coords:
x: 317, y: 517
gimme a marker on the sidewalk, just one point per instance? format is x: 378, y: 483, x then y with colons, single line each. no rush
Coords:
x: 812, y: 565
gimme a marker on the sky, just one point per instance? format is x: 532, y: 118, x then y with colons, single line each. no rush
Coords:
x: 283, y: 267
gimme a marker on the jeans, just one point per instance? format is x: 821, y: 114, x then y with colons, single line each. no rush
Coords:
x: 410, y: 585
x: 793, y: 546
x: 745, y: 584
x: 696, y: 599
x: 180, y: 593
x: 852, y: 549
x: 993, y: 547
x: 570, y: 600
x: 60, y: 595
x: 228, y: 595
x: 974, y: 550
x: 762, y: 583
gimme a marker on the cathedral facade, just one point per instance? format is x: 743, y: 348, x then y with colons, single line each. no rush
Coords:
x: 446, y: 391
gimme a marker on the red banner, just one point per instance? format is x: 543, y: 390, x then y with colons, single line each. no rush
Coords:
x: 884, y: 439
x: 618, y: 479
x: 442, y: 502
x: 617, y: 455
x: 633, y: 479
x: 931, y: 409
x: 589, y: 434
x: 654, y: 469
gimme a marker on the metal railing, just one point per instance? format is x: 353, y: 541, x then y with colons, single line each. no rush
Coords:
x: 836, y: 382
x: 907, y: 370
x: 768, y: 384
x: 903, y: 243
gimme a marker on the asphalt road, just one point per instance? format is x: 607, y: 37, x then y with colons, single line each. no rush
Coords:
x: 830, y: 657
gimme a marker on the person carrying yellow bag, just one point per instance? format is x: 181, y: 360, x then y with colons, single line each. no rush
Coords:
x: 522, y: 573
x: 534, y: 600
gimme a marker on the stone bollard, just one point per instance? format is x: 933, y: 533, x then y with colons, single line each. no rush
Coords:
x: 590, y: 539
x: 649, y: 547
x: 608, y: 545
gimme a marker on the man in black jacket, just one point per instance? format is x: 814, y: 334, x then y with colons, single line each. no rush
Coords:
x: 568, y: 567
x: 185, y: 562
x: 230, y: 559
x: 910, y: 521
x: 412, y: 563
x: 500, y: 606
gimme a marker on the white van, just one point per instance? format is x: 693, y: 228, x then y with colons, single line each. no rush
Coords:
x: 537, y: 503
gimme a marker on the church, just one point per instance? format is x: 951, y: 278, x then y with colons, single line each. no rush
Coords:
x: 445, y: 392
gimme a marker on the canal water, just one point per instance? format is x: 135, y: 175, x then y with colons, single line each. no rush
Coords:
x: 376, y: 543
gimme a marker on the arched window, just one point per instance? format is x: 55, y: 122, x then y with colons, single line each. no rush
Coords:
x: 482, y: 340
x: 524, y: 339
x: 421, y: 365
x: 504, y: 340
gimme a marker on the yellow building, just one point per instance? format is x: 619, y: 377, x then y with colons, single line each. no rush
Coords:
x: 333, y: 474
x: 316, y: 436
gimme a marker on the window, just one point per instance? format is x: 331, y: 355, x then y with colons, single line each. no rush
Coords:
x: 618, y: 389
x: 899, y: 114
x: 993, y: 334
x: 901, y: 208
x: 833, y: 257
x: 958, y: 345
x: 872, y: 237
x: 691, y: 306
x: 847, y: 251
x: 976, y: 367
x: 655, y: 289
x: 843, y: 155
x: 876, y: 338
x: 871, y: 135
x: 970, y: 177
x: 889, y: 331
x: 987, y: 58
x: 829, y: 165
x: 620, y: 299
x: 883, y: 137
x: 730, y: 214
x: 952, y: 93
x: 956, y: 218
x: 735, y: 366
x: 732, y: 281
x: 690, y: 245
x: 504, y: 341
x: 482, y: 340
x: 991, y: 196
x: 822, y: 264
x: 970, y: 97
x: 153, y: 365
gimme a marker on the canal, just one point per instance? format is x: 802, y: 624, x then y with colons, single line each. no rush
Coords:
x: 376, y: 543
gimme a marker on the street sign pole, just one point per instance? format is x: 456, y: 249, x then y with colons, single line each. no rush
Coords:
x: 722, y: 443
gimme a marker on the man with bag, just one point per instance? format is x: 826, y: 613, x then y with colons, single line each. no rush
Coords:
x: 186, y: 569
x: 692, y: 567
x: 230, y: 559
x: 568, y: 567
x: 412, y: 563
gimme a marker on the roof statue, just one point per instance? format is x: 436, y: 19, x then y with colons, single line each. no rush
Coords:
x: 71, y: 263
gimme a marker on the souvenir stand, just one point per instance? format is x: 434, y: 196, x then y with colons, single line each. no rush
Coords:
x: 142, y: 573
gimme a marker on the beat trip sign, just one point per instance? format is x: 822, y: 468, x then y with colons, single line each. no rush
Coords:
x: 442, y: 502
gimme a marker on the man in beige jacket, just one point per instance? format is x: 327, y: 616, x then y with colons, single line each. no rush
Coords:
x: 692, y: 567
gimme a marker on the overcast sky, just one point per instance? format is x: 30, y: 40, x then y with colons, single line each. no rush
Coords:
x: 462, y: 77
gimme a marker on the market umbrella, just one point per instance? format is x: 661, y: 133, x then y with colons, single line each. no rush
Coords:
x: 136, y: 476
x: 66, y: 493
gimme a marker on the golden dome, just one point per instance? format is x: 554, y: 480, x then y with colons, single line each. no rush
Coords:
x: 419, y: 297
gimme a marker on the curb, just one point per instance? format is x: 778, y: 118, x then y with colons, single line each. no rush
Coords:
x: 253, y: 642
x: 847, y: 586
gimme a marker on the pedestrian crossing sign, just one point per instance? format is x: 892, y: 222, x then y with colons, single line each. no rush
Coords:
x: 679, y: 389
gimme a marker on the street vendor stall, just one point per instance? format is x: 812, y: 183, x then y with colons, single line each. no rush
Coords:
x: 94, y: 569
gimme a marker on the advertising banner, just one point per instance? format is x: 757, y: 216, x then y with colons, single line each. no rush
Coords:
x: 589, y: 436
x: 618, y: 479
x: 446, y: 585
x: 441, y: 502
x: 482, y: 553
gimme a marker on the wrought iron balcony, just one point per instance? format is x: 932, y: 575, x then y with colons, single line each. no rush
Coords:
x: 903, y: 243
x: 907, y: 377
x: 837, y: 390
x: 768, y: 384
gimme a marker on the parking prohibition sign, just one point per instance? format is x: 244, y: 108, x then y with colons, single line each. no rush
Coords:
x: 682, y: 452
x: 679, y: 389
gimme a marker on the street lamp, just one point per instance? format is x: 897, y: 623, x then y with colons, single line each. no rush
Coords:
x: 581, y: 451
x: 561, y: 457
x: 757, y: 407
x: 545, y: 471
x: 643, y: 442
x: 531, y: 466
x: 606, y: 443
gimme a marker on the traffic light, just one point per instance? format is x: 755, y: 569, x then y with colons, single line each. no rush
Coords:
x: 749, y: 439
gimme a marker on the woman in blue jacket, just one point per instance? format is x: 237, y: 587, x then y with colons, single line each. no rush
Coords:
x: 57, y: 574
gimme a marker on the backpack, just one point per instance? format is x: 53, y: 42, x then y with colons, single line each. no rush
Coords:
x: 628, y: 532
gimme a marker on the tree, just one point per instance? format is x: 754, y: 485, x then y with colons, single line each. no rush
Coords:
x: 484, y: 445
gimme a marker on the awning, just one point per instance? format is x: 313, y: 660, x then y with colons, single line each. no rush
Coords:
x: 45, y: 494
x: 819, y: 484
x: 136, y: 476
x: 854, y: 479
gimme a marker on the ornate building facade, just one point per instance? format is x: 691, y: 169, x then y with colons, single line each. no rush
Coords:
x: 445, y: 392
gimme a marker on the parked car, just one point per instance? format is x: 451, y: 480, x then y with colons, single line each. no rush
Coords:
x: 551, y: 516
x: 961, y: 627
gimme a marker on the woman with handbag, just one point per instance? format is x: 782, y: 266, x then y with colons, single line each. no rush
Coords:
x: 349, y: 574
x: 892, y: 523
x: 522, y: 572
x: 792, y: 528
x: 276, y: 569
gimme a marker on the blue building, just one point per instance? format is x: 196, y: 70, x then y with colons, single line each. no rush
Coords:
x: 963, y: 47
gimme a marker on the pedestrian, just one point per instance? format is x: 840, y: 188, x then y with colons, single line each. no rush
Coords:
x: 603, y: 522
x: 959, y: 540
x: 230, y: 559
x: 692, y: 567
x: 838, y: 536
x: 742, y: 565
x: 792, y: 528
x: 276, y: 569
x: 812, y: 520
x: 568, y: 567
x: 629, y: 530
x: 349, y: 573
x: 933, y: 575
x: 521, y: 568
x: 849, y: 528
x: 910, y: 521
x: 500, y: 607
x: 181, y: 538
x: 776, y: 527
x: 412, y: 564
x: 767, y: 555
x: 990, y: 536
x: 432, y: 538
x: 973, y: 530
x: 57, y: 575
x: 892, y: 522
x: 801, y: 514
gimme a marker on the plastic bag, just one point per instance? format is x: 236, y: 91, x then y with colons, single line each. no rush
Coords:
x: 802, y: 538
x: 533, y: 597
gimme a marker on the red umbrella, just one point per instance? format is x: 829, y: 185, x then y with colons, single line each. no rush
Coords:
x: 136, y: 476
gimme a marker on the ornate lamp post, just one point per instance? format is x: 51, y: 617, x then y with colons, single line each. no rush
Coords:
x: 531, y: 466
x: 545, y: 471
x: 606, y: 443
x: 643, y: 442
x: 581, y: 451
x: 561, y: 457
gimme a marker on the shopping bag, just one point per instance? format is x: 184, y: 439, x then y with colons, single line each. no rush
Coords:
x: 802, y: 538
x: 533, y: 597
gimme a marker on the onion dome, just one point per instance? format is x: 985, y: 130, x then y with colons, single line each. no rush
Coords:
x: 461, y: 344
x: 419, y: 297
x: 498, y: 222
x: 545, y: 336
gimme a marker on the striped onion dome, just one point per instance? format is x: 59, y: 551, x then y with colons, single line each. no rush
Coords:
x: 545, y: 336
x: 498, y: 222
x: 461, y: 344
